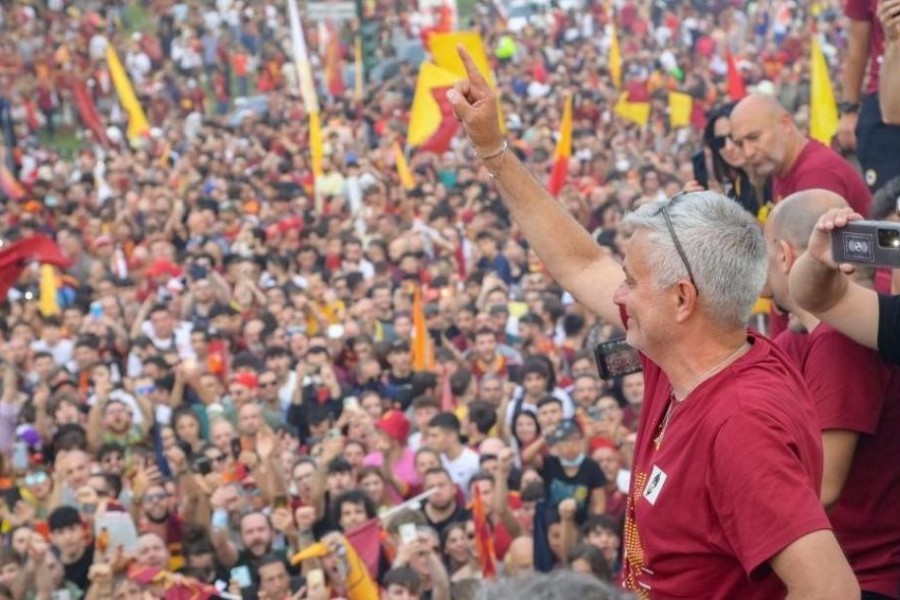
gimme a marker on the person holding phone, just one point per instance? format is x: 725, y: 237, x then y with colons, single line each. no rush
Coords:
x: 821, y: 286
x: 693, y: 269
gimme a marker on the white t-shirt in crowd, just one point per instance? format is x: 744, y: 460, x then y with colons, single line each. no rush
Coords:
x: 462, y: 468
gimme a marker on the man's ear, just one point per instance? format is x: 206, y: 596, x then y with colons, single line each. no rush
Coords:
x: 786, y: 256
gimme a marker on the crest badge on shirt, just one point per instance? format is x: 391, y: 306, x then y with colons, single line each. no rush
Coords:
x: 654, y: 484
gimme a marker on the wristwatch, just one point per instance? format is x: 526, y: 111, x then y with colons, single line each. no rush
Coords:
x: 846, y: 108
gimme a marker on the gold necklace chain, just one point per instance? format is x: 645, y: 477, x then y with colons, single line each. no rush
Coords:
x: 674, y: 402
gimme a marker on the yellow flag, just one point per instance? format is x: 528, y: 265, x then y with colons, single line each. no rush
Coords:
x: 615, y: 59
x: 823, y: 112
x: 406, y: 176
x: 443, y: 52
x: 358, y: 68
x: 316, y: 149
x: 425, y: 114
x: 636, y: 112
x: 680, y: 107
x: 137, y: 120
x: 49, y: 303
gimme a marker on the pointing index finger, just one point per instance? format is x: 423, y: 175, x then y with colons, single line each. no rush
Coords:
x: 476, y: 79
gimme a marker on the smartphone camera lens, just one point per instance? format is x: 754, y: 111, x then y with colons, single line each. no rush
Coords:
x: 889, y: 238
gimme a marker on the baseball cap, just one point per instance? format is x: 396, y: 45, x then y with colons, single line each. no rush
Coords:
x: 566, y: 429
x: 395, y: 425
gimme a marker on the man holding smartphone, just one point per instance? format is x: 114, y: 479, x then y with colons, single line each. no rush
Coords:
x: 821, y: 286
x: 727, y: 425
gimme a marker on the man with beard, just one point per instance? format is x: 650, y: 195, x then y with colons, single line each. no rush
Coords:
x: 256, y: 537
x: 155, y: 517
x: 442, y: 508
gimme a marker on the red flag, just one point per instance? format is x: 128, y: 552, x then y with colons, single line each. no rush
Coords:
x: 439, y: 142
x: 366, y: 539
x: 88, y: 111
x: 15, y: 257
x: 736, y: 88
x: 484, y: 540
x: 10, y: 185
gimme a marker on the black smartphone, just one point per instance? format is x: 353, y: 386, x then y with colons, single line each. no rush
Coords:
x: 874, y: 243
x: 236, y: 447
x: 203, y: 465
x: 616, y: 358
x: 701, y: 173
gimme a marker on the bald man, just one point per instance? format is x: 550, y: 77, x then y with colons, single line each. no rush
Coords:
x: 857, y: 398
x: 519, y: 557
x: 774, y: 146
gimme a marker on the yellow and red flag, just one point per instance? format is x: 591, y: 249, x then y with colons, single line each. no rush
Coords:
x: 563, y: 151
x: 484, y: 539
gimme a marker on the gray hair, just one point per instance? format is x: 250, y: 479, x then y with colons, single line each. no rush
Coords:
x: 723, y: 244
x: 558, y: 585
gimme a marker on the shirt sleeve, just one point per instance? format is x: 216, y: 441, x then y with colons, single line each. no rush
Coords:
x: 846, y: 383
x: 762, y: 493
x: 889, y: 328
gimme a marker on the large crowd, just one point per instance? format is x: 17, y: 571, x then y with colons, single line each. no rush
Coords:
x: 226, y: 395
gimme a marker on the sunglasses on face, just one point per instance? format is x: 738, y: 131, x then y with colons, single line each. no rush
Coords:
x: 719, y: 142
x: 268, y: 383
x: 155, y: 498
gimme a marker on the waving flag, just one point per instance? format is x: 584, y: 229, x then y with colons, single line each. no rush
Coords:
x: 823, y: 118
x: 15, y: 257
x: 484, y: 540
x: 563, y: 151
x: 736, y: 87
x: 636, y: 112
x: 406, y: 176
x: 422, y: 347
x: 301, y: 60
x: 138, y: 125
x: 615, y: 59
x: 680, y: 109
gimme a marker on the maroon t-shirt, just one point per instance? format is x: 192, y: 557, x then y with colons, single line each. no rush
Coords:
x: 734, y: 482
x: 867, y: 11
x: 821, y: 167
x: 794, y: 345
x: 854, y: 390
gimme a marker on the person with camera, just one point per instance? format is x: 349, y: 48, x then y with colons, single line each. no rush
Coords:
x: 700, y: 521
x: 857, y: 400
x: 822, y: 287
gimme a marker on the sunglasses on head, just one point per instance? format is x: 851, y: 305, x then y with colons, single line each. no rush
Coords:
x: 664, y: 209
x: 36, y: 478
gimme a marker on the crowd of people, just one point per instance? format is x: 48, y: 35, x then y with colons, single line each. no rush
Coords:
x: 227, y: 397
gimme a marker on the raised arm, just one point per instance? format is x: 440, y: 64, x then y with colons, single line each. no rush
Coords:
x: 573, y: 258
x: 889, y: 75
x: 820, y: 286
